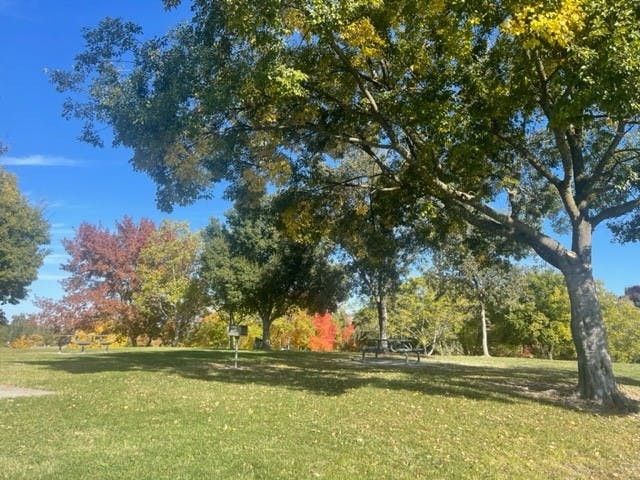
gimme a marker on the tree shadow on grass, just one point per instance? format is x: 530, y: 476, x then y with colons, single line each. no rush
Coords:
x: 624, y: 380
x: 337, y: 374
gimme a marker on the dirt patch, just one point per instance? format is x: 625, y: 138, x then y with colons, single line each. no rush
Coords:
x: 8, y: 391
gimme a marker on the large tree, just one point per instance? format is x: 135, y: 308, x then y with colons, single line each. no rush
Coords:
x: 23, y: 235
x: 103, y: 267
x: 502, y: 114
x: 250, y: 267
x: 221, y: 276
x: 376, y: 251
x: 475, y: 270
x: 169, y: 294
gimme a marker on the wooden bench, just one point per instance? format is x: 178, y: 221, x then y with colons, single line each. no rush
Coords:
x: 404, y: 346
x: 102, y: 340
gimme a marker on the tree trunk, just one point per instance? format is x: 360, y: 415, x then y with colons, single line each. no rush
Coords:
x: 596, y: 381
x: 483, y: 324
x: 266, y: 332
x: 595, y: 373
x: 383, y: 319
x: 176, y: 333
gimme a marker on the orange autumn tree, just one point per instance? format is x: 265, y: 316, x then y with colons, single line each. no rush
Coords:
x: 326, y: 330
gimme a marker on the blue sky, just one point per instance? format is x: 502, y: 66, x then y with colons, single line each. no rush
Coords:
x: 76, y: 182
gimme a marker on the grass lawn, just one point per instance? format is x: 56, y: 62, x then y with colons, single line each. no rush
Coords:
x: 187, y: 414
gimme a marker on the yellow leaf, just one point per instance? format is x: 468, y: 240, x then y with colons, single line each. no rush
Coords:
x: 536, y: 24
x: 362, y: 34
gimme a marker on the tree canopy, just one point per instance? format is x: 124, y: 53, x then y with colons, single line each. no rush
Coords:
x: 249, y: 267
x: 103, y: 267
x: 23, y: 235
x: 169, y: 294
x: 505, y: 115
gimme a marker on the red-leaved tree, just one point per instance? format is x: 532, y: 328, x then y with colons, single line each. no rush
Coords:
x: 103, y: 277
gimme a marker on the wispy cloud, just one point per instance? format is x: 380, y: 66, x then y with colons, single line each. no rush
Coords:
x: 56, y: 204
x: 11, y: 9
x: 60, y: 230
x: 56, y: 259
x: 52, y: 277
x: 38, y: 161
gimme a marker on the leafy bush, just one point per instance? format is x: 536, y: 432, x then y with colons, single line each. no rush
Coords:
x: 210, y: 331
x: 622, y: 319
x: 28, y: 341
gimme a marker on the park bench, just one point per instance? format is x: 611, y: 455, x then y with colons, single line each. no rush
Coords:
x: 102, y: 340
x: 405, y: 346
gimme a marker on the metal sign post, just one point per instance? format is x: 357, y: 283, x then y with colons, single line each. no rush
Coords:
x: 235, y: 347
x: 235, y: 332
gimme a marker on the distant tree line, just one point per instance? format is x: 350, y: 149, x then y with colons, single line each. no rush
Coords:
x: 146, y: 282
x: 165, y: 284
x: 530, y: 320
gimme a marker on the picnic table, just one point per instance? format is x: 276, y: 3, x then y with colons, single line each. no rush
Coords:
x: 102, y: 340
x: 405, y: 346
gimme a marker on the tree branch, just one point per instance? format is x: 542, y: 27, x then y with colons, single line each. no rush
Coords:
x: 615, y: 211
x: 531, y: 159
x: 375, y: 110
x: 485, y: 217
x: 605, y: 160
x: 562, y: 144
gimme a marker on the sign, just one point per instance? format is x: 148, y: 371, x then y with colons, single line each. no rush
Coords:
x: 235, y: 332
x: 238, y: 330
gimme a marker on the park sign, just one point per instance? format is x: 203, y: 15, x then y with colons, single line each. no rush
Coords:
x: 235, y: 332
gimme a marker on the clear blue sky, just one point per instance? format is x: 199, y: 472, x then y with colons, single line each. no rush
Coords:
x: 76, y: 182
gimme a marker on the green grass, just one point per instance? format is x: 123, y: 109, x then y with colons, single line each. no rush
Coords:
x: 187, y: 414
